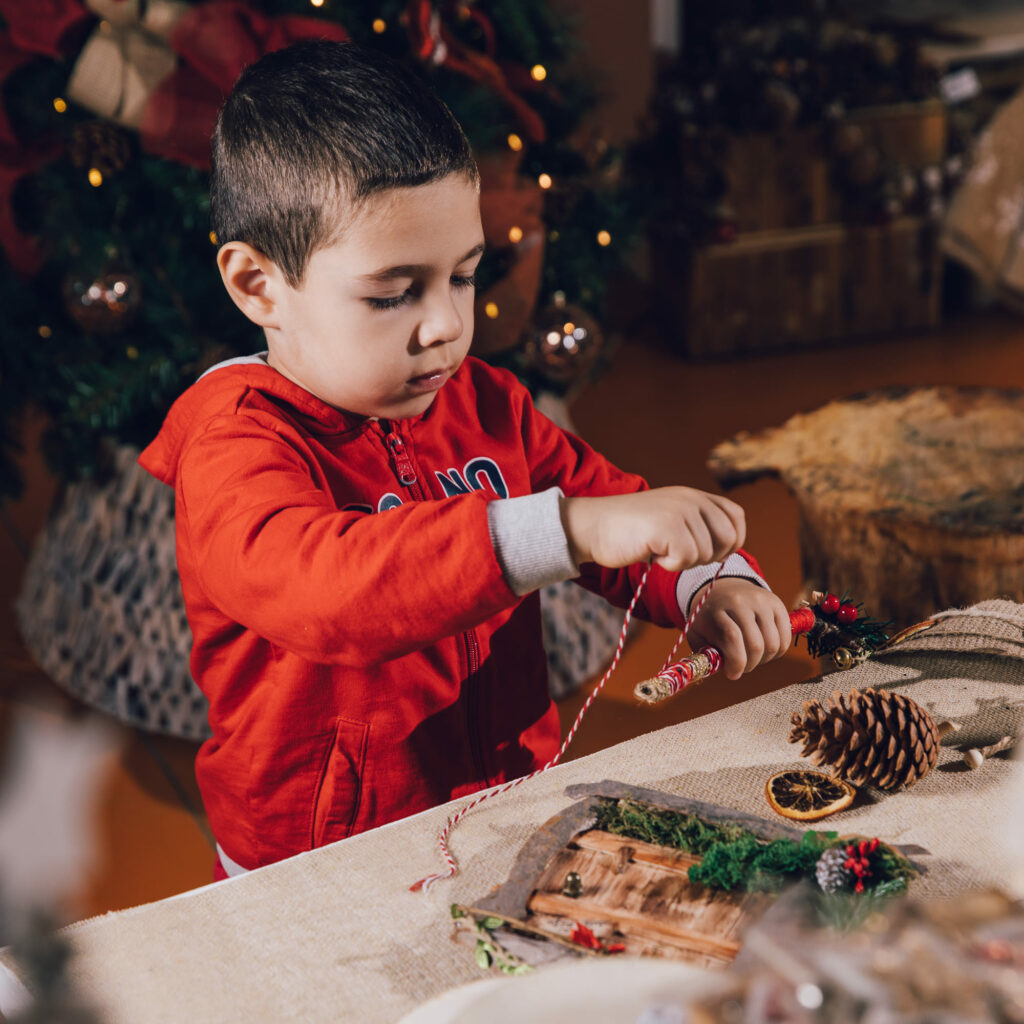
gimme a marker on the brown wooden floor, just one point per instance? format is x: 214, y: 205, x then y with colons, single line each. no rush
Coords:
x: 651, y: 412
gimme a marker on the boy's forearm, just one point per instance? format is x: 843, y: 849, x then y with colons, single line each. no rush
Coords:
x: 530, y: 540
x: 534, y: 550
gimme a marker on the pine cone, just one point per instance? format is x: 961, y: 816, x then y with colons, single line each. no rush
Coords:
x: 870, y: 737
x: 831, y: 871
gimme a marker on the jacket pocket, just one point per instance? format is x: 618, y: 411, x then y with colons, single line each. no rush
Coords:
x: 339, y: 787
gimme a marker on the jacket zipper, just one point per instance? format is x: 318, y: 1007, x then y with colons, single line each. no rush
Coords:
x: 406, y: 473
x: 400, y: 460
x: 472, y: 648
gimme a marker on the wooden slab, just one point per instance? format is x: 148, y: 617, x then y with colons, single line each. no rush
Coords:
x: 912, y: 499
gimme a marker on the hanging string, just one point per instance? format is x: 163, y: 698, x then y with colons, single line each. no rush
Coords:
x: 446, y: 855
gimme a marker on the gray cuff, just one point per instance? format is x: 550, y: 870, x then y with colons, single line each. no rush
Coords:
x: 691, y: 580
x: 529, y: 540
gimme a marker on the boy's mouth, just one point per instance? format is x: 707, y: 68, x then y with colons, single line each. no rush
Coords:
x: 429, y: 381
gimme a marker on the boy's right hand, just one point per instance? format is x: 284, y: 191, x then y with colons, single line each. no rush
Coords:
x: 675, y: 527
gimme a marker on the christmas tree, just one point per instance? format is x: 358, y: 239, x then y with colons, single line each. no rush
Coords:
x: 112, y: 302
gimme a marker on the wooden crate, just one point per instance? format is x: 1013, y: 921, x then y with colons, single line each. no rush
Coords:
x: 785, y: 179
x: 799, y: 287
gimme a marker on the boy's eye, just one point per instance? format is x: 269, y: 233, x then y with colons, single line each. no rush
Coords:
x: 463, y: 281
x: 389, y: 302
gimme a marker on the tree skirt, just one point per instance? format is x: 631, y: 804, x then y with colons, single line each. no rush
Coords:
x: 101, y: 608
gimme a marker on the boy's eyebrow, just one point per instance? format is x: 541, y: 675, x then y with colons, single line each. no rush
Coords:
x: 414, y: 269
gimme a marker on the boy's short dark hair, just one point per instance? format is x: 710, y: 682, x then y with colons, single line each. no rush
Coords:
x: 315, y: 126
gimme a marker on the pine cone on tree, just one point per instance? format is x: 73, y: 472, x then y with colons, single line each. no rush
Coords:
x: 869, y: 737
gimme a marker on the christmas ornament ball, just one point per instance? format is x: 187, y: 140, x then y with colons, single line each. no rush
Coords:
x: 564, y: 342
x: 105, y: 304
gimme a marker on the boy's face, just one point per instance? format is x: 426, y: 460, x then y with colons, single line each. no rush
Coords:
x: 384, y: 317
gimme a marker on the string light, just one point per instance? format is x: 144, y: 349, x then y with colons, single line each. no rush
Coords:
x: 317, y: 3
x: 131, y: 352
x: 44, y: 331
x: 568, y: 327
x: 515, y: 234
x: 213, y: 238
x: 95, y: 178
x: 514, y: 142
x: 60, y: 104
x: 379, y: 26
x: 604, y: 238
x: 554, y: 236
x: 544, y: 181
x: 538, y: 72
x: 491, y: 309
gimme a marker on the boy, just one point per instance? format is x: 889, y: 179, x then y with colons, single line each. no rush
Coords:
x: 364, y: 514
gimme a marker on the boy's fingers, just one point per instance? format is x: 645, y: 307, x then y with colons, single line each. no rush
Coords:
x: 703, y: 540
x: 723, y: 532
x: 736, y: 516
x: 753, y: 642
x: 772, y: 642
x: 733, y: 650
x: 784, y: 627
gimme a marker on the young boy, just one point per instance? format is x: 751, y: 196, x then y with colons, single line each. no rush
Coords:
x: 365, y: 513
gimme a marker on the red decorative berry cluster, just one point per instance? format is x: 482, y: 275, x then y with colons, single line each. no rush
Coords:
x: 858, y: 861
x: 831, y: 605
x: 583, y: 936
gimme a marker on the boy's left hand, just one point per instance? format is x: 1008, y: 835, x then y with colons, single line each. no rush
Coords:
x: 748, y: 624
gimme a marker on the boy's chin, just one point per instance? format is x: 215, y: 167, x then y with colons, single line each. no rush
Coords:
x: 408, y: 409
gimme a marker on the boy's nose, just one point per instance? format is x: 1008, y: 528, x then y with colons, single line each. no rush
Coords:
x: 442, y: 323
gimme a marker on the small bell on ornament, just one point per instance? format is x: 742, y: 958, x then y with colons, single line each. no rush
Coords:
x: 104, y: 304
x: 564, y: 341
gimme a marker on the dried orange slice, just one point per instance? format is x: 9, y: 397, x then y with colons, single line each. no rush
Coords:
x: 806, y: 795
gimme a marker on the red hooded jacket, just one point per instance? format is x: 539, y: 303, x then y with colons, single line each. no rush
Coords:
x: 363, y: 655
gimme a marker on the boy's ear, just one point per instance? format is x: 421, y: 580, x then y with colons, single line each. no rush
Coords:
x: 253, y: 281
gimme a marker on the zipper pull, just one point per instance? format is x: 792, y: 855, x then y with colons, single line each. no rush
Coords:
x: 400, y: 457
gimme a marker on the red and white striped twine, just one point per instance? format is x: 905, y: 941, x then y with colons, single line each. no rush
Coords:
x: 425, y: 883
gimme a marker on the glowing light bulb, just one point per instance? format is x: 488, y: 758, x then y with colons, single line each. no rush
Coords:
x: 95, y: 178
x: 491, y: 309
x: 538, y: 72
x: 515, y: 234
x: 515, y: 143
x: 604, y: 238
x: 213, y: 238
x: 568, y: 327
x: 544, y: 181
x: 317, y: 3
x: 131, y: 352
x: 60, y: 104
x: 44, y: 331
x: 380, y: 26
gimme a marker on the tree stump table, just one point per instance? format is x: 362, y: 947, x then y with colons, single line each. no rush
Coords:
x: 912, y: 500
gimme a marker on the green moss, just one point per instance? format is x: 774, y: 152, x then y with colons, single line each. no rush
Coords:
x: 734, y: 858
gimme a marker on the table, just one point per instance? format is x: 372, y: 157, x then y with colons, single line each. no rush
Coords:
x: 336, y: 935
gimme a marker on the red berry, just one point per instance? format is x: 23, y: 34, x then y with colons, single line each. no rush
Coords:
x: 829, y: 604
x: 847, y: 613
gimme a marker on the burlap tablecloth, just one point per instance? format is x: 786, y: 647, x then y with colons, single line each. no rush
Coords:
x: 335, y: 935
